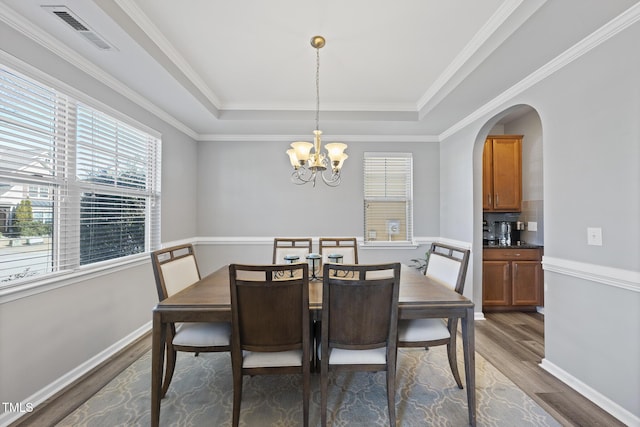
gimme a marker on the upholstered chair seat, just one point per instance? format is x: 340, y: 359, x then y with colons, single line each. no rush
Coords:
x: 202, y: 334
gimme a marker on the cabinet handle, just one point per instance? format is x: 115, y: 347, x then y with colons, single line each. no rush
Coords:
x: 497, y: 200
x: 489, y: 198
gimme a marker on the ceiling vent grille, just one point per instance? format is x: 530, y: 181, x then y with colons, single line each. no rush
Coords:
x: 66, y: 15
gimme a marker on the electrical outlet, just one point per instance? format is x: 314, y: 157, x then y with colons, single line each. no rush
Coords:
x: 532, y: 226
x: 594, y: 236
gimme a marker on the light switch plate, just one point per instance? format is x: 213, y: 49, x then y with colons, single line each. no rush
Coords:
x: 594, y: 236
x: 532, y: 226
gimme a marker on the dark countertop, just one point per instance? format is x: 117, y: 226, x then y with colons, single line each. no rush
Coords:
x: 522, y: 246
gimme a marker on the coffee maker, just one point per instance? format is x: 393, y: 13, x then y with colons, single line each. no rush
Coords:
x: 507, y: 233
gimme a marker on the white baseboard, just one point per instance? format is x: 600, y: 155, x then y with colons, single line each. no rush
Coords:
x: 42, y: 395
x: 604, y: 402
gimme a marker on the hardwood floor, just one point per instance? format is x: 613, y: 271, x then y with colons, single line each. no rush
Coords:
x: 513, y: 342
x: 56, y: 408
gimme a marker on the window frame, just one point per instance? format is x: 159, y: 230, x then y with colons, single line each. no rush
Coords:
x: 369, y: 166
x: 68, y: 183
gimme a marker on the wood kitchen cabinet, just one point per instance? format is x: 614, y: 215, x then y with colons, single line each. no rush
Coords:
x: 512, y: 279
x: 502, y: 173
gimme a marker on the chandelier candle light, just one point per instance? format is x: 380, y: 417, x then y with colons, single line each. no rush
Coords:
x: 309, y: 164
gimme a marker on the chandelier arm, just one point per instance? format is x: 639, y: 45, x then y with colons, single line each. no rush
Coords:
x: 334, y: 181
x: 303, y: 176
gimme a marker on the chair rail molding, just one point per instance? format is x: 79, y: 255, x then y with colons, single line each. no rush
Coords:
x: 616, y: 277
x: 262, y: 240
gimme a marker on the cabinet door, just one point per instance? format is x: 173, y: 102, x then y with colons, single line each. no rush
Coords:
x: 507, y: 174
x: 487, y: 176
x: 527, y: 282
x: 496, y: 283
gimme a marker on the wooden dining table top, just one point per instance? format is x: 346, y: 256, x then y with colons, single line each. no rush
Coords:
x: 416, y: 291
x: 209, y: 300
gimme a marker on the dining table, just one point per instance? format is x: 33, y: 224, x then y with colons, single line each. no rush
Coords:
x: 209, y: 300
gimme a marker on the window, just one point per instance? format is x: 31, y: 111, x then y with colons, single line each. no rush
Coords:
x: 38, y: 192
x: 77, y: 186
x: 388, y: 193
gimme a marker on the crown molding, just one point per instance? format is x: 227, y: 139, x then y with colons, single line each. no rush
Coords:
x: 35, y: 73
x: 147, y: 26
x: 595, y: 39
x: 479, y: 39
x: 341, y: 138
x: 613, y: 27
x: 58, y: 48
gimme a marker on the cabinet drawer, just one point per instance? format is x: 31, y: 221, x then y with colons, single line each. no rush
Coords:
x: 511, y: 254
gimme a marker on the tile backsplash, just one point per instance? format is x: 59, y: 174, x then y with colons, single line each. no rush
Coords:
x: 532, y: 211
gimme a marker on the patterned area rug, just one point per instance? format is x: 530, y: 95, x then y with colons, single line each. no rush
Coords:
x: 201, y: 395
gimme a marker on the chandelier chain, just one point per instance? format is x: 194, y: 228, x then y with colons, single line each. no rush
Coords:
x: 317, y: 88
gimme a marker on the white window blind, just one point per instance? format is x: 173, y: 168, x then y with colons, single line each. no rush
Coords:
x: 76, y: 185
x: 112, y: 169
x: 388, y: 194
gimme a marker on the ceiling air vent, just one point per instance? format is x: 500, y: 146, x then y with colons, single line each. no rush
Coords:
x: 66, y: 15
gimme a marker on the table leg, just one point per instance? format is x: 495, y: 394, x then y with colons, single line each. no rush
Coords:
x: 158, y: 337
x: 468, y: 343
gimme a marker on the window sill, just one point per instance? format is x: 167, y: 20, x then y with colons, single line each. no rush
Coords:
x: 60, y: 279
x: 389, y: 245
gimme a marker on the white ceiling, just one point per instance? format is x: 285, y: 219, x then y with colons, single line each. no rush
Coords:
x: 410, y: 67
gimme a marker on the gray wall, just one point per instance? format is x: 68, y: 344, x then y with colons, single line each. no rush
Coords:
x: 530, y: 126
x: 245, y: 199
x: 245, y: 190
x: 591, y: 154
x: 46, y: 335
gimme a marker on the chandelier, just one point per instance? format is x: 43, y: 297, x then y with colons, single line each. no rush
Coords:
x: 309, y: 159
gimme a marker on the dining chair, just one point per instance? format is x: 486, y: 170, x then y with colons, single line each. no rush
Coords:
x: 447, y: 265
x: 345, y: 246
x: 282, y: 247
x: 359, y: 324
x: 176, y: 268
x: 270, y: 332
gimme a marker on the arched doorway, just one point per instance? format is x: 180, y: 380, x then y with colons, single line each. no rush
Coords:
x: 522, y: 120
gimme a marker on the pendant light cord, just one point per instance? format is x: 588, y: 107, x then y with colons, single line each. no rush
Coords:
x: 317, y: 88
